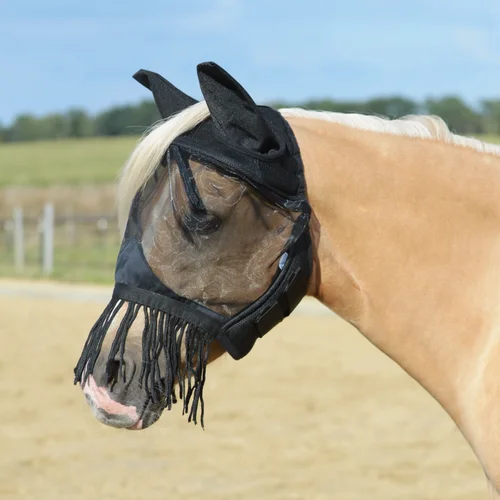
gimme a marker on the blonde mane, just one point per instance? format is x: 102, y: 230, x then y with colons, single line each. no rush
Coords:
x: 152, y: 146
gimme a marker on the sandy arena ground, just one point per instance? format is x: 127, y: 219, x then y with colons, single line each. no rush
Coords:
x: 314, y: 412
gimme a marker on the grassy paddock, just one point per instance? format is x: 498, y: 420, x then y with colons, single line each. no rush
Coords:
x: 44, y: 163
x: 73, y: 162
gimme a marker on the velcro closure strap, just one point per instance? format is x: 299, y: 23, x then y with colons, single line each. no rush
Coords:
x: 296, y: 290
x: 286, y: 303
x: 269, y: 319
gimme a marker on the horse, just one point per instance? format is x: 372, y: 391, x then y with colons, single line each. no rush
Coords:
x: 405, y: 232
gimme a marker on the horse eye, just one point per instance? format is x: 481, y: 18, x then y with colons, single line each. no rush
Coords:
x: 201, y: 223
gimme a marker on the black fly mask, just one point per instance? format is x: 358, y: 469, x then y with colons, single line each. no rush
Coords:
x: 217, y: 244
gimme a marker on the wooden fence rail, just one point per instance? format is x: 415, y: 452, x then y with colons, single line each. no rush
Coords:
x: 51, y: 239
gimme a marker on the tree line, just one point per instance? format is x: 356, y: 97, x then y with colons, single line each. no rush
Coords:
x: 134, y: 119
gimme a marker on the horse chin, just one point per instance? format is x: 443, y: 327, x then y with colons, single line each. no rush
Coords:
x: 148, y: 418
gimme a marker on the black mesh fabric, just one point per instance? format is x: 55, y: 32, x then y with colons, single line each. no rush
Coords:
x: 209, y: 237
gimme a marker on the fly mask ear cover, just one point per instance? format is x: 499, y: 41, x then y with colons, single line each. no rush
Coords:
x: 255, y: 146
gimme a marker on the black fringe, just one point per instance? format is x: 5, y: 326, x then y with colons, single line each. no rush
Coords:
x: 165, y: 339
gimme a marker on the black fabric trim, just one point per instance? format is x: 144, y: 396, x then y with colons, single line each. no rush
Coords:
x: 194, y: 198
x: 192, y: 312
x: 274, y: 180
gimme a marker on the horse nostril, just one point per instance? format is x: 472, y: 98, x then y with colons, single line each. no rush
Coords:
x: 113, y: 373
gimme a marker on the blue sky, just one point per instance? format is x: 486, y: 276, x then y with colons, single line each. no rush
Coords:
x: 57, y: 54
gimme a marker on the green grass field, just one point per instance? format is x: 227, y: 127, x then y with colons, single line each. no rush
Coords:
x: 44, y: 163
x: 73, y: 162
x: 64, y: 162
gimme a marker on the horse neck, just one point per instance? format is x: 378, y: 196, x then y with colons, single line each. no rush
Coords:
x: 406, y: 236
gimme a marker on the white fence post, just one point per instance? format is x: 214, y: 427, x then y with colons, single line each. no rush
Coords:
x: 19, y: 260
x: 48, y: 239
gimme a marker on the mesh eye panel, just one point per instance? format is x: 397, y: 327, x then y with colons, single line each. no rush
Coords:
x: 211, y: 238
